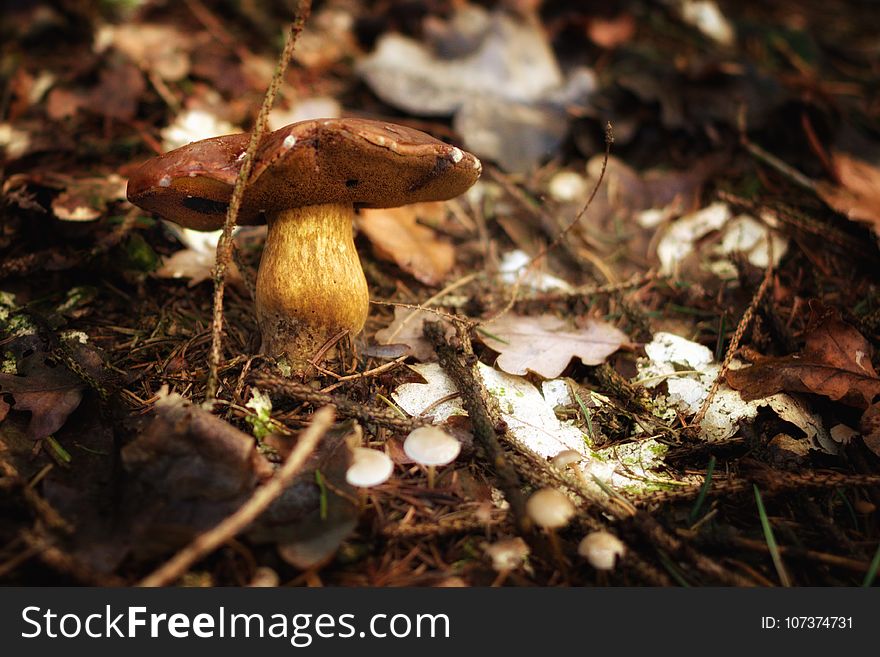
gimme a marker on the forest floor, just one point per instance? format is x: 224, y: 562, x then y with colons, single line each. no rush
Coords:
x: 700, y: 339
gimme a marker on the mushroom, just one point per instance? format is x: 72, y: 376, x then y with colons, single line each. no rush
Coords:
x: 550, y: 509
x: 431, y: 446
x: 306, y: 181
x: 601, y: 549
x: 507, y: 555
x: 369, y: 467
x: 568, y: 460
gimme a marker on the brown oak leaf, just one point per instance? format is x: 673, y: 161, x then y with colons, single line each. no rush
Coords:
x: 870, y: 428
x: 858, y: 193
x: 396, y: 235
x: 835, y: 362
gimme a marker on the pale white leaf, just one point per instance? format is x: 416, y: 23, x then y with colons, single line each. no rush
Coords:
x: 545, y: 345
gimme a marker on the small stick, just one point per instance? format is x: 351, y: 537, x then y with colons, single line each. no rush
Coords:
x: 737, y: 336
x: 474, y: 399
x: 609, y: 139
x: 224, y: 244
x: 210, y: 540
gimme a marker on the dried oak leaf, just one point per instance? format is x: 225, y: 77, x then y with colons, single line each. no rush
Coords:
x: 546, y: 344
x: 870, y: 428
x: 858, y: 193
x: 189, y: 469
x: 86, y: 199
x: 408, y: 328
x: 396, y: 236
x: 118, y: 91
x: 835, y: 363
x: 47, y: 389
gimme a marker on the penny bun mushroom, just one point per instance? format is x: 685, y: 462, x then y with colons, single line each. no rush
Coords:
x: 601, y: 549
x: 306, y: 181
x: 431, y: 447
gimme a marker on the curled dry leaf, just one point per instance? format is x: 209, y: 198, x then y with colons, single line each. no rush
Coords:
x: 159, y: 49
x: 86, y: 199
x: 858, y: 194
x: 397, y: 236
x: 47, y: 389
x: 497, y: 74
x: 835, y: 363
x: 870, y: 428
x: 407, y: 328
x: 546, y: 344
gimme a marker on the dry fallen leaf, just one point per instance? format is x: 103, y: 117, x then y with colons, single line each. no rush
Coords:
x: 86, y: 199
x: 156, y: 48
x: 870, y: 428
x: 611, y: 32
x: 118, y: 92
x: 858, y: 194
x: 497, y: 74
x: 47, y: 389
x: 688, y: 371
x: 835, y: 363
x: 546, y: 344
x: 396, y: 236
x: 407, y: 329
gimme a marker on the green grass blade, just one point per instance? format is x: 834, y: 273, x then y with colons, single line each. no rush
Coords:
x: 771, y: 540
x: 704, y: 490
x: 872, y: 569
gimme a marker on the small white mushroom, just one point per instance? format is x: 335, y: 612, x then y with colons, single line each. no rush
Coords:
x: 507, y: 554
x: 601, y: 550
x: 566, y: 458
x: 550, y: 509
x: 431, y: 447
x: 369, y: 467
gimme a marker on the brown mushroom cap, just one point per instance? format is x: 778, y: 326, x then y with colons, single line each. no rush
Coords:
x: 358, y: 161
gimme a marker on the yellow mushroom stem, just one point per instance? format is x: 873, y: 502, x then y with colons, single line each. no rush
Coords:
x: 310, y: 285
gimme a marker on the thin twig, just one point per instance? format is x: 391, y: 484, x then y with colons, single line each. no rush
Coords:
x: 737, y: 336
x: 609, y: 139
x: 205, y: 543
x: 344, y: 407
x: 461, y: 368
x: 224, y: 244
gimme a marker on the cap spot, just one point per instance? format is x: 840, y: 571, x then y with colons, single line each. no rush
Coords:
x: 477, y: 164
x: 289, y: 142
x: 165, y: 181
x: 457, y: 155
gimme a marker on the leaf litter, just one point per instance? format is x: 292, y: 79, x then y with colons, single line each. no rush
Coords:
x: 530, y: 87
